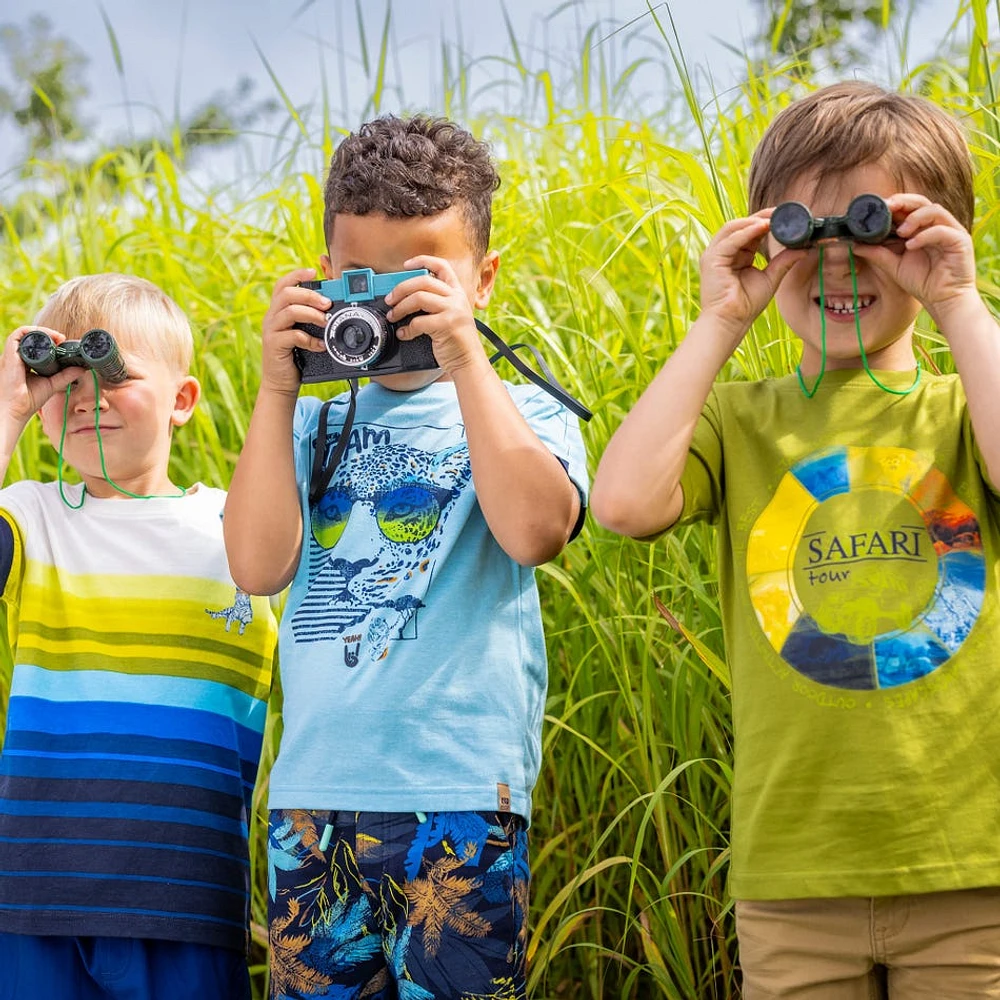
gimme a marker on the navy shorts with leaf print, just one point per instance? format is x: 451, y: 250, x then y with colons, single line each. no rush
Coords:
x: 399, y: 906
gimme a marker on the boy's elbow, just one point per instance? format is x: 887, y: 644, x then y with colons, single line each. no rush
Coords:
x: 255, y: 581
x: 624, y: 514
x: 612, y: 509
x: 541, y: 540
x: 538, y: 550
x: 261, y: 577
x: 262, y: 559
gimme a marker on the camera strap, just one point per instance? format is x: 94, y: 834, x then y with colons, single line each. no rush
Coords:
x: 322, y: 471
x: 546, y: 381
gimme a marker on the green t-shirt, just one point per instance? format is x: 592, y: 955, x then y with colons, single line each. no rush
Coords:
x: 858, y: 545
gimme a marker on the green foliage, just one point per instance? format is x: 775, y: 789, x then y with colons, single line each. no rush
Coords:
x: 831, y: 35
x: 45, y: 97
x: 600, y: 222
x: 47, y: 88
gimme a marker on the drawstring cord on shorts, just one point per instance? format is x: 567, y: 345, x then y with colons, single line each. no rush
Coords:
x: 324, y: 841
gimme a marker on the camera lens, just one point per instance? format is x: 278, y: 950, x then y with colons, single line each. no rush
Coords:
x: 869, y: 219
x: 355, y: 336
x: 792, y: 224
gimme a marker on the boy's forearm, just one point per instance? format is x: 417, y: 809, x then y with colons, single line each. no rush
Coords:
x: 9, y: 437
x: 974, y: 338
x: 263, y: 519
x: 636, y: 489
x: 528, y: 500
x: 10, y: 433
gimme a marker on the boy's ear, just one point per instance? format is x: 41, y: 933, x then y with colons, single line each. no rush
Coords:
x: 326, y: 266
x: 488, y: 267
x: 188, y: 394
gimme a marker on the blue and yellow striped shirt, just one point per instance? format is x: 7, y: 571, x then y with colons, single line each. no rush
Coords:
x: 135, y: 717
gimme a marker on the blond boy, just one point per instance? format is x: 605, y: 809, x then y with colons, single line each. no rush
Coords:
x: 139, y: 683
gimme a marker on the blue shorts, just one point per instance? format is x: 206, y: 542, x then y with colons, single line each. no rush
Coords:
x: 106, y: 968
x: 389, y: 905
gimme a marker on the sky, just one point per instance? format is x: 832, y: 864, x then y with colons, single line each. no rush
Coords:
x: 177, y: 55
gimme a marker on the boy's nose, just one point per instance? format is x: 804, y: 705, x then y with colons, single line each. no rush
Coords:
x: 84, y: 396
x: 837, y: 256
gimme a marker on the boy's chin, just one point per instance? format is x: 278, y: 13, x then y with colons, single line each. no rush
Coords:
x: 409, y: 381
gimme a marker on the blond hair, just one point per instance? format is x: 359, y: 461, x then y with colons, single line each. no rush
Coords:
x: 139, y: 315
x: 852, y: 124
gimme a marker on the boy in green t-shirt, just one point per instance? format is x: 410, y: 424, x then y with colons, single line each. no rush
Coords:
x: 858, y: 533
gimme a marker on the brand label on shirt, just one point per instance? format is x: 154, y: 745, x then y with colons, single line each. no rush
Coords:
x: 503, y: 797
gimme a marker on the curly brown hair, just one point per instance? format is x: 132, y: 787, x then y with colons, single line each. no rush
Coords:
x: 851, y: 124
x: 409, y: 167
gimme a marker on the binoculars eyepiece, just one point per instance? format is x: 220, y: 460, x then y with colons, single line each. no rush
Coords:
x: 95, y: 350
x: 868, y: 220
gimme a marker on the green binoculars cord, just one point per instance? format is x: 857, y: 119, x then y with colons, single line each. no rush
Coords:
x: 809, y: 393
x: 100, y: 448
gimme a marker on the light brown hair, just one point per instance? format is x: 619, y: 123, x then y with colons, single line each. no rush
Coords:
x: 404, y: 167
x: 851, y: 124
x: 137, y: 313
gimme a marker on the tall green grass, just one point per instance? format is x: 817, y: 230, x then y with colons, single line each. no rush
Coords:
x: 600, y: 222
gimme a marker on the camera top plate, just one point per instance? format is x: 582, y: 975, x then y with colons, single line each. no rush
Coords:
x: 362, y: 284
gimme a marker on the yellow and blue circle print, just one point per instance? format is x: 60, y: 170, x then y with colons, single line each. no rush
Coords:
x: 866, y: 571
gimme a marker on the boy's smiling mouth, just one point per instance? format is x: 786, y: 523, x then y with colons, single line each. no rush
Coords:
x: 843, y: 308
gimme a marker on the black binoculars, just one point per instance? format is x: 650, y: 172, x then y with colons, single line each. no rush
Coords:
x: 868, y: 220
x: 95, y: 350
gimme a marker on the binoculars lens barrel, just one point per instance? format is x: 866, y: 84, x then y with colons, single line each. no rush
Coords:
x: 96, y: 351
x: 868, y: 220
x: 100, y: 352
x: 38, y: 351
x: 792, y: 224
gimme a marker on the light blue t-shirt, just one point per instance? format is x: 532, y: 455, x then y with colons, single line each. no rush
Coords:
x: 411, y: 647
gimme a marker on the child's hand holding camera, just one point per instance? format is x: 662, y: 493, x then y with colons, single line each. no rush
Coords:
x: 290, y: 304
x: 447, y: 319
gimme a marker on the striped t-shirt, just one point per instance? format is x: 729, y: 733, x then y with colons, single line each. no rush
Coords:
x: 135, y: 717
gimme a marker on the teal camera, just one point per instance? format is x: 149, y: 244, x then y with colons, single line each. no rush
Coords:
x: 359, y: 339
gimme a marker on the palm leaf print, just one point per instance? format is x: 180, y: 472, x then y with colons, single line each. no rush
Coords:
x: 288, y: 972
x: 438, y: 900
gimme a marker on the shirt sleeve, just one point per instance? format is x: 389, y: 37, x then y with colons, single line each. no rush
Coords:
x: 559, y: 430
x: 970, y: 433
x: 10, y: 557
x: 702, y: 478
x: 11, y: 573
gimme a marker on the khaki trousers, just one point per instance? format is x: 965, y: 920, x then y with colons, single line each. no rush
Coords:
x: 935, y: 946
